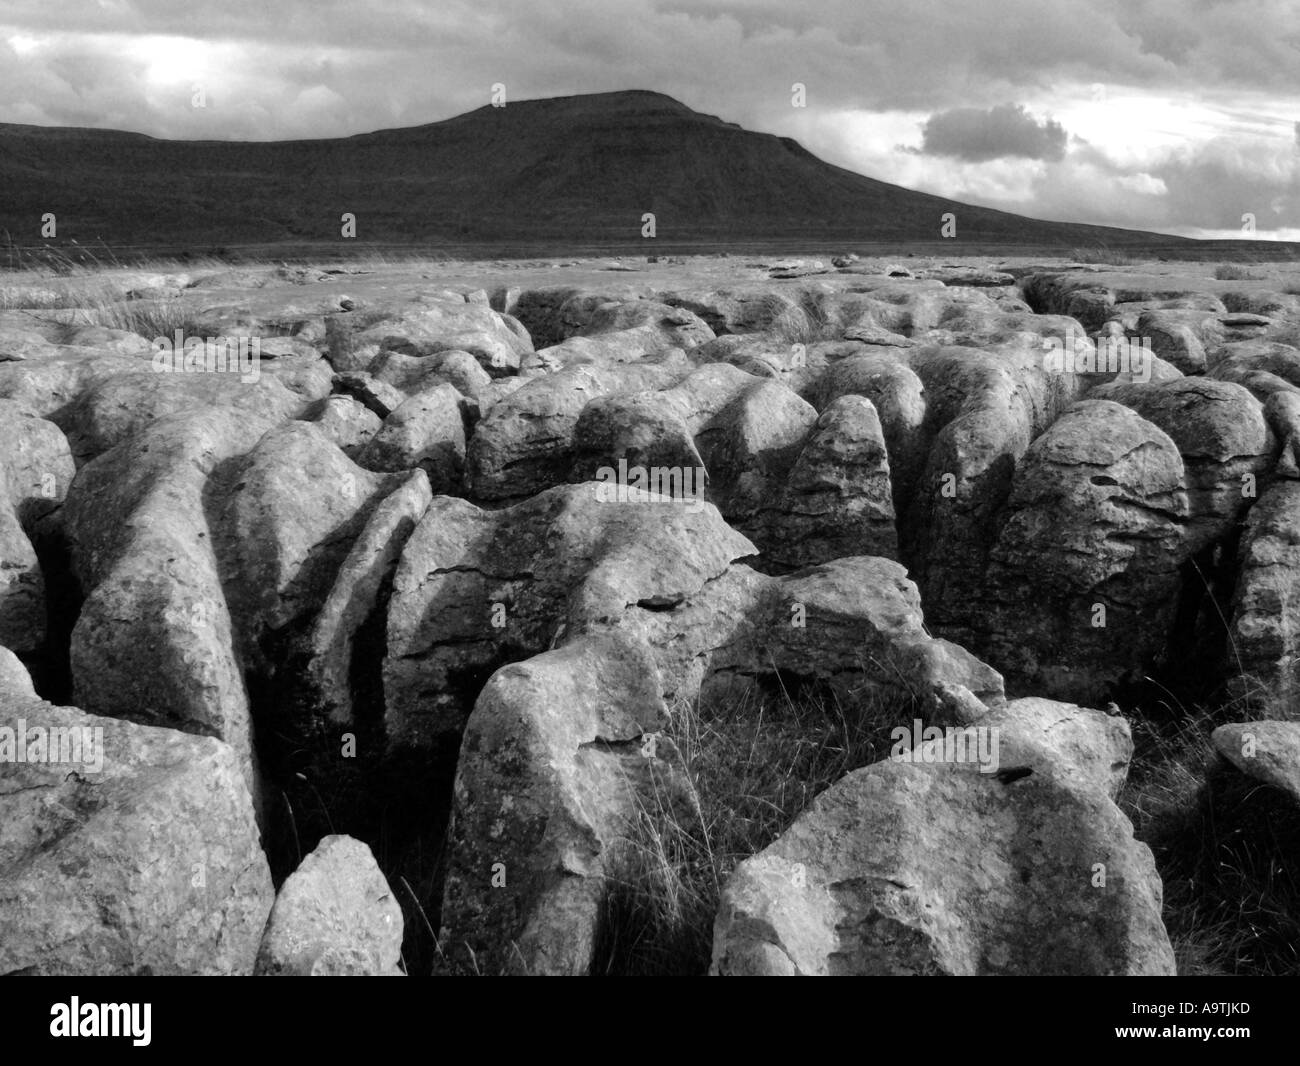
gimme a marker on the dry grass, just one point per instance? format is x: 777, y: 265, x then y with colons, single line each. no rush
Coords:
x: 1235, y: 272
x: 107, y: 307
x: 756, y: 765
x: 1102, y: 256
x: 1226, y: 847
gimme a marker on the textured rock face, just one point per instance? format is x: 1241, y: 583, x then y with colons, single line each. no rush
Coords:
x: 837, y: 499
x: 348, y: 423
x: 1221, y: 433
x: 426, y: 329
x: 1082, y: 576
x: 335, y: 916
x: 120, y: 407
x: 1265, y: 627
x: 149, y: 864
x: 327, y: 650
x: 525, y: 443
x: 51, y: 386
x: 977, y: 426
x: 1282, y: 410
x: 559, y: 758
x: 427, y: 431
x: 1175, y: 341
x: 154, y: 639
x: 475, y: 588
x: 1267, y: 751
x: 855, y: 626
x: 282, y: 539
x: 36, y: 468
x: 36, y: 463
x: 913, y: 867
x: 22, y: 586
x: 14, y: 677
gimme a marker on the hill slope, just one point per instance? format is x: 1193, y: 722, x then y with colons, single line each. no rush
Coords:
x: 575, y: 170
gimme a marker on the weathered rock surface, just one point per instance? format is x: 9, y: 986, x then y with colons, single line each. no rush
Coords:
x: 14, y: 677
x: 853, y: 626
x: 327, y: 649
x: 475, y: 589
x: 36, y: 468
x: 1223, y: 437
x: 1083, y: 574
x: 121, y: 406
x: 1266, y: 751
x: 426, y: 431
x: 149, y: 864
x: 919, y: 867
x: 1265, y: 628
x: 426, y: 329
x: 334, y: 916
x: 154, y: 639
x: 347, y: 422
x: 295, y: 508
x: 525, y: 442
x: 559, y: 759
x: 837, y: 499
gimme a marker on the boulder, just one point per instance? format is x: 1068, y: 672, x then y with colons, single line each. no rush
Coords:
x: 287, y: 524
x: 924, y: 864
x: 140, y: 857
x: 154, y: 640
x: 1223, y: 437
x: 426, y: 431
x: 837, y: 499
x: 1266, y: 751
x: 525, y: 442
x: 476, y: 589
x: 334, y: 916
x: 1265, y: 626
x: 560, y: 757
x: 347, y: 422
x: 1083, y: 575
x: 326, y: 652
x: 118, y: 408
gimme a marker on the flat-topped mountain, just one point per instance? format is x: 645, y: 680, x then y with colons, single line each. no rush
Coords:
x: 578, y: 170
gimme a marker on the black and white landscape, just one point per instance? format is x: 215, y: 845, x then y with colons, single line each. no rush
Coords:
x: 590, y: 526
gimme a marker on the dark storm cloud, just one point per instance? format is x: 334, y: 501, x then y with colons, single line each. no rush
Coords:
x: 1000, y: 132
x: 724, y: 55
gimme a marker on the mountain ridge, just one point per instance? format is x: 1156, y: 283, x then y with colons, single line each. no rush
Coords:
x: 581, y: 169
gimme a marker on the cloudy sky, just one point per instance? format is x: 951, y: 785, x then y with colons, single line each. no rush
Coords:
x: 1172, y: 115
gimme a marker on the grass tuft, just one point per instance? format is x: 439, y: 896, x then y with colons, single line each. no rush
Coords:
x: 756, y: 764
x: 1235, y: 272
x: 1102, y: 256
x: 1227, y: 848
